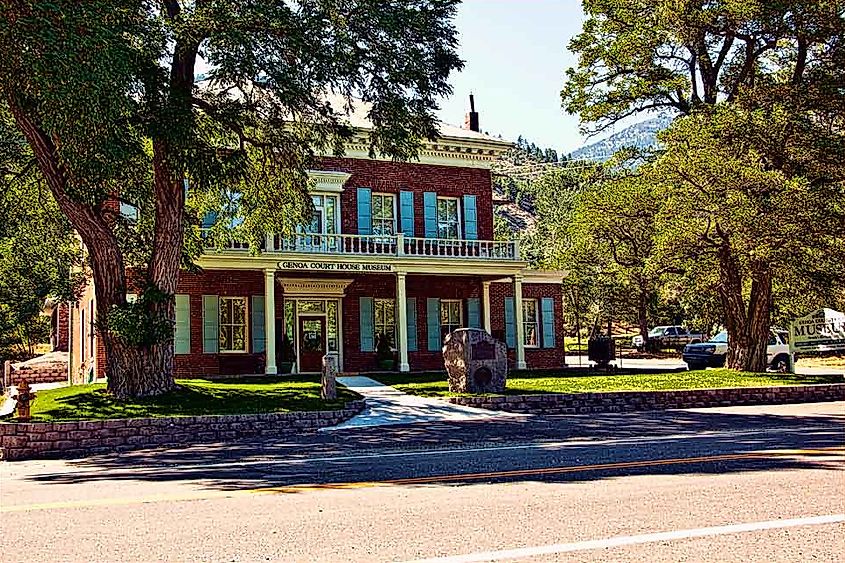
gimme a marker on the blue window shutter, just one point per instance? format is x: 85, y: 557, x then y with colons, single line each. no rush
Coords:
x: 365, y: 211
x: 470, y: 218
x: 474, y: 312
x: 430, y: 214
x: 209, y: 219
x: 406, y: 212
x: 366, y: 324
x: 548, y: 319
x: 510, y: 323
x: 433, y: 323
x: 210, y: 324
x: 411, y: 307
x: 259, y: 339
x: 182, y: 335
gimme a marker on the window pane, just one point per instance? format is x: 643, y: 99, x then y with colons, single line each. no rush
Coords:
x: 225, y: 311
x: 239, y: 338
x: 331, y: 214
x: 239, y: 311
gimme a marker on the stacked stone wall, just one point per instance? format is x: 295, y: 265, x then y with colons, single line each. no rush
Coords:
x: 627, y: 401
x: 38, y: 440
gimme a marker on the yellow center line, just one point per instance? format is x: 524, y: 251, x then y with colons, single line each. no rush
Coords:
x: 212, y: 495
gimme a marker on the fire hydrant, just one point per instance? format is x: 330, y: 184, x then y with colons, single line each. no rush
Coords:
x: 24, y: 397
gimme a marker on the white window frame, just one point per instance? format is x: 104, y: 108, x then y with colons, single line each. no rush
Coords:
x: 382, y: 328
x: 458, y: 223
x: 393, y: 223
x: 453, y: 326
x: 220, y: 304
x: 321, y: 209
x: 527, y: 323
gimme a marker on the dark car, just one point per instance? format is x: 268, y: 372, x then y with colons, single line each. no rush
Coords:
x: 713, y: 353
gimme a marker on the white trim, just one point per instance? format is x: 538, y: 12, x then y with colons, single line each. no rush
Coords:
x: 460, y: 303
x: 458, y: 213
x: 294, y: 300
x: 393, y: 199
x: 328, y: 180
x: 536, y: 321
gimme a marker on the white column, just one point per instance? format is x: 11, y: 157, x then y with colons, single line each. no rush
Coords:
x: 520, y: 326
x: 402, y: 306
x: 485, y: 297
x: 270, y: 321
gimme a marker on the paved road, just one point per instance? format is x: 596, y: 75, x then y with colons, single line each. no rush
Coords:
x: 736, y: 484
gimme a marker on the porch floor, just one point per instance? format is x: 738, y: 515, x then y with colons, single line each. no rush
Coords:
x: 388, y: 406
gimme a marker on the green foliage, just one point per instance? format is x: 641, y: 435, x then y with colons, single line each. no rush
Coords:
x: 108, y: 97
x: 37, y: 250
x: 754, y: 206
x: 141, y: 322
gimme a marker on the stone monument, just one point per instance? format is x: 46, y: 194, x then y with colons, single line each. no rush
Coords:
x: 475, y: 362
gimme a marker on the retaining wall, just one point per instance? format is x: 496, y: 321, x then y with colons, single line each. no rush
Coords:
x: 37, y: 440
x: 626, y: 401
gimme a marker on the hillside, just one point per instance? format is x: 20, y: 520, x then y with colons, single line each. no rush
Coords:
x: 640, y: 135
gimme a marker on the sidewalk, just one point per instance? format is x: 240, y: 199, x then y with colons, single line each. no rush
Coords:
x: 389, y: 406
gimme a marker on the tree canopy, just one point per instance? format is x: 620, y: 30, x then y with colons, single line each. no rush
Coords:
x: 132, y: 98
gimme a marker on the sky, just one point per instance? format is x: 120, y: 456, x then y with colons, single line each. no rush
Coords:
x: 515, y: 55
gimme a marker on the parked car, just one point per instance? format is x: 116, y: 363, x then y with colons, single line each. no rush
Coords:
x: 668, y: 337
x: 714, y: 352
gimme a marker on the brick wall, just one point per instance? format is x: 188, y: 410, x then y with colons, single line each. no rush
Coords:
x: 626, y: 401
x: 384, y: 286
x: 536, y: 358
x: 39, y: 440
x: 231, y: 283
x: 393, y: 177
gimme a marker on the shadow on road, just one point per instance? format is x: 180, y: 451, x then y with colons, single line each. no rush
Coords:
x: 331, y: 459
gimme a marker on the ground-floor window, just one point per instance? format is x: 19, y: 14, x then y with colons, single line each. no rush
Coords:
x: 384, y: 320
x: 531, y: 322
x: 451, y: 316
x: 233, y: 324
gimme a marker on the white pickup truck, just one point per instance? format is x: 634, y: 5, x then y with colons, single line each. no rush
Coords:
x: 714, y: 352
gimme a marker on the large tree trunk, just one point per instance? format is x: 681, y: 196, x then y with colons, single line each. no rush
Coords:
x: 748, y: 328
x: 131, y: 371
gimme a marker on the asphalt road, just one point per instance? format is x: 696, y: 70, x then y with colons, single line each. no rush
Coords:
x: 735, y: 484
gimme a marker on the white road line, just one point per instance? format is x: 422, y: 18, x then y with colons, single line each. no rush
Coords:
x: 477, y: 449
x: 620, y: 541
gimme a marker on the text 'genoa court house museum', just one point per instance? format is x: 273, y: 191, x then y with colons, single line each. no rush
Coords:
x: 403, y: 249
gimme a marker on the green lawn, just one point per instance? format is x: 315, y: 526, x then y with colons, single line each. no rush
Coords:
x: 194, y: 397
x: 435, y: 385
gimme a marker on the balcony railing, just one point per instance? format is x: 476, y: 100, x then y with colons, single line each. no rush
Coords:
x: 388, y: 245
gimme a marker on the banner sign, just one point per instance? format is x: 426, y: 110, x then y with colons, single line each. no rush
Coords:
x: 317, y: 266
x: 821, y: 331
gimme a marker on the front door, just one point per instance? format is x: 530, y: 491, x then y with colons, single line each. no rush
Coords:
x: 312, y: 343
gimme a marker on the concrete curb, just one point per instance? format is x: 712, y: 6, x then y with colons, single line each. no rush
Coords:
x: 628, y: 401
x: 41, y: 440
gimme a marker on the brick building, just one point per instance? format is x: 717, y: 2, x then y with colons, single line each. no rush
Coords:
x: 396, y: 251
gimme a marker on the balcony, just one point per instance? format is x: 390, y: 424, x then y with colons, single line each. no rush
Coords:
x: 383, y: 245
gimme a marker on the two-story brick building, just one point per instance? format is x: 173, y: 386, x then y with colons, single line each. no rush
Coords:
x: 404, y: 250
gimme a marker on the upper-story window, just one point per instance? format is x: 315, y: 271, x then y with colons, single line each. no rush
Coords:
x: 326, y: 216
x: 384, y: 214
x: 448, y: 218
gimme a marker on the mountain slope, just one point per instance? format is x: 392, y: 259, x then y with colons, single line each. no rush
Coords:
x: 641, y: 135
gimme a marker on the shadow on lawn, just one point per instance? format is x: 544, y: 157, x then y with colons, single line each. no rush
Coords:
x: 332, y: 459
x: 200, y: 397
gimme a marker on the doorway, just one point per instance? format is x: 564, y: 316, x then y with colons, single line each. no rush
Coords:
x: 312, y: 343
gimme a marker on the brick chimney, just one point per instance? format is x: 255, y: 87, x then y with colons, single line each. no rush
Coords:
x: 471, y: 119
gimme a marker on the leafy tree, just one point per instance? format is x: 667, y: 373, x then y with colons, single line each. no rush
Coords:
x: 37, y: 249
x: 107, y: 96
x: 729, y: 65
x: 614, y: 230
x: 761, y: 227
